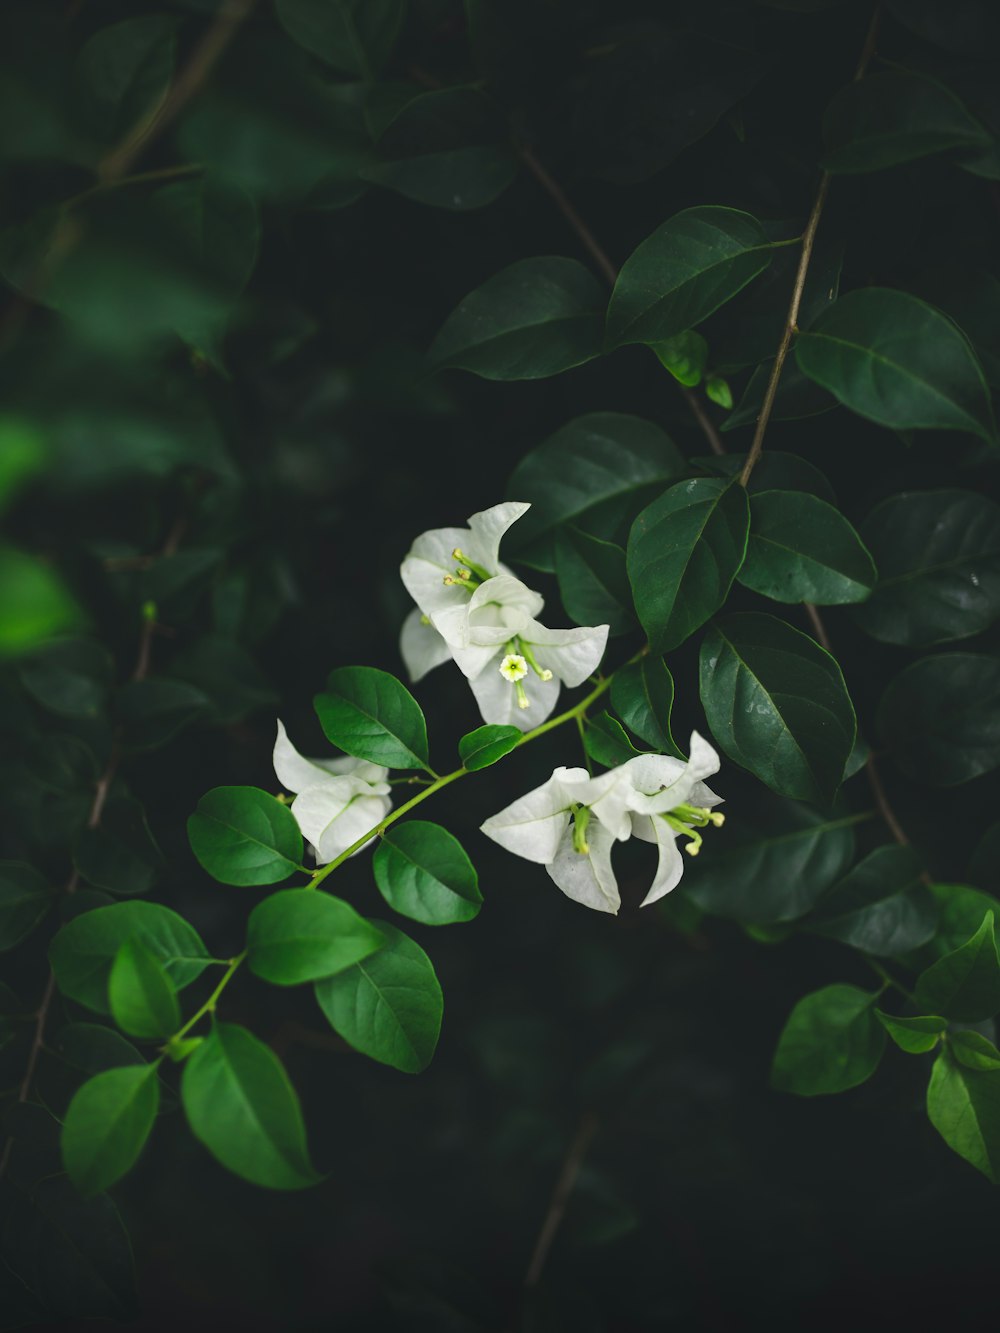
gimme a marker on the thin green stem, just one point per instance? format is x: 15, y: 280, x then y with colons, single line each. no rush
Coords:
x: 209, y: 1006
x: 583, y: 744
x: 889, y: 980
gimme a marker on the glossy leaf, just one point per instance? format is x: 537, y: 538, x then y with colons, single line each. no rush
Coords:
x: 356, y: 37
x: 777, y: 704
x: 486, y: 745
x: 964, y: 1107
x: 369, y: 714
x: 151, y: 712
x: 643, y: 696
x: 973, y: 1050
x: 684, y: 551
x: 690, y: 266
x: 880, y: 906
x: 301, y: 935
x: 120, y: 854
x: 242, y: 835
x: 914, y: 1035
x: 388, y: 1007
x: 25, y: 898
x: 802, y: 549
x: 124, y: 71
x: 142, y: 998
x: 107, y: 1125
x: 606, y: 741
x: 241, y: 1106
x: 71, y: 677
x: 896, y: 360
x: 938, y: 557
x: 775, y: 471
x: 941, y: 718
x: 832, y: 1041
x: 534, y: 319
x: 424, y: 873
x: 593, y: 581
x: 964, y: 985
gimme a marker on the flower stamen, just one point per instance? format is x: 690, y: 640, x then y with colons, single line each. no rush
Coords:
x: 513, y: 668
x: 581, y: 818
x: 541, y: 672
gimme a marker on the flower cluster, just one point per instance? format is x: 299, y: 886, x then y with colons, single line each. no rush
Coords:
x: 471, y: 609
x: 570, y: 823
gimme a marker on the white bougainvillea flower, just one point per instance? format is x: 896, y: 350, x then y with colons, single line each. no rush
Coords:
x: 336, y: 800
x: 471, y: 609
x: 571, y: 822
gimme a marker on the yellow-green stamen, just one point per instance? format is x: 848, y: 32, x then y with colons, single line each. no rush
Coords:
x: 581, y: 818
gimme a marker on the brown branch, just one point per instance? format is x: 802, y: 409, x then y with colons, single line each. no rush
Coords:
x: 560, y: 1197
x: 816, y: 620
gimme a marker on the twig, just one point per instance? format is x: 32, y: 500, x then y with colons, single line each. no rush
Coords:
x: 816, y: 620
x: 560, y: 1197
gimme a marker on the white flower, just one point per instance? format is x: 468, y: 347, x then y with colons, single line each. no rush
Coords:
x: 337, y: 800
x: 471, y: 608
x: 571, y: 822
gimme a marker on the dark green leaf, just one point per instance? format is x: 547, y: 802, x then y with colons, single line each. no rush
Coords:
x: 973, y: 1050
x: 71, y: 677
x: 536, y: 318
x: 302, y: 935
x: 604, y: 458
x: 241, y: 835
x: 899, y: 362
x: 593, y: 581
x: 684, y: 551
x: 24, y: 900
x: 777, y: 704
x: 369, y: 714
x: 914, y: 1035
x: 643, y: 696
x: 153, y: 711
x: 424, y: 873
x: 775, y: 471
x: 690, y: 266
x: 801, y: 549
x: 832, y: 1041
x: 124, y: 72
x: 964, y: 985
x: 241, y: 1106
x: 83, y: 951
x: 227, y: 674
x: 938, y: 557
x: 107, y: 1125
x: 941, y: 718
x: 356, y: 37
x: 486, y: 745
x: 142, y: 998
x: 960, y: 912
x: 797, y: 398
x: 964, y: 1107
x: 119, y: 855
x: 880, y: 906
x: 388, y: 1007
x: 606, y: 741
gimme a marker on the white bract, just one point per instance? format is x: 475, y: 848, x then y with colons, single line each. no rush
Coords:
x: 471, y: 608
x: 570, y: 823
x: 336, y: 801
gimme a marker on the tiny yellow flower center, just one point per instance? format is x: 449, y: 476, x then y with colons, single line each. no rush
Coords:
x: 513, y: 667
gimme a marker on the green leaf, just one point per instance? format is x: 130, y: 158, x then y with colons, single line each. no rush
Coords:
x: 880, y: 906
x: 899, y: 362
x: 605, y: 740
x: 141, y: 996
x: 356, y: 37
x: 690, y: 266
x: 973, y: 1050
x: 25, y: 898
x: 593, y: 581
x: 536, y: 318
x: 84, y: 950
x: 34, y: 604
x: 960, y: 912
x: 684, y: 550
x: 241, y: 1106
x: 894, y: 117
x: 124, y: 72
x: 107, y: 1125
x: 424, y: 873
x: 773, y: 870
x: 152, y: 712
x: 777, y: 704
x: 717, y: 390
x: 389, y: 1007
x: 23, y: 454
x: 938, y: 557
x: 964, y: 985
x: 302, y: 935
x: 120, y: 854
x: 801, y: 549
x: 941, y: 718
x: 832, y: 1041
x: 241, y: 835
x: 914, y: 1035
x: 643, y: 696
x: 70, y: 677
x: 775, y: 471
x: 369, y: 714
x: 964, y: 1107
x: 447, y: 149
x: 685, y: 355
x: 486, y: 745
x: 604, y: 459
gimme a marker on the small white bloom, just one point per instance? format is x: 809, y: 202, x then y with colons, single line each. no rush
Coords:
x: 571, y: 822
x: 472, y: 609
x: 336, y: 800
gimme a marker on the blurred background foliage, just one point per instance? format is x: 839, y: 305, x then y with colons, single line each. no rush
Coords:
x: 230, y: 232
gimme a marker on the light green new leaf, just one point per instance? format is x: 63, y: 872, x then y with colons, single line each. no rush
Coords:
x: 964, y: 1107
x: 684, y: 550
x: 242, y: 835
x: 832, y: 1041
x: 964, y: 985
x: 34, y: 604
x: 802, y: 549
x: 896, y: 360
x: 643, y: 697
x: 388, y: 1007
x: 368, y: 713
x: 241, y: 1106
x: 914, y: 1035
x: 141, y: 996
x: 300, y: 935
x: 486, y: 745
x: 424, y: 873
x: 690, y: 266
x: 107, y: 1125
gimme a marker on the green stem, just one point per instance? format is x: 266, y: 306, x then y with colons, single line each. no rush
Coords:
x: 889, y: 980
x: 140, y: 178
x: 209, y: 1006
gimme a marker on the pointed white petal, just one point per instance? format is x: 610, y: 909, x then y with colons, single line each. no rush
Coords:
x: 421, y: 646
x: 587, y: 879
x: 497, y: 698
x: 486, y: 529
x: 572, y: 654
x: 475, y: 661
x: 670, y: 862
x: 533, y: 825
x: 353, y: 822
x: 372, y: 775
x: 318, y: 805
x: 661, y: 782
x: 293, y: 770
